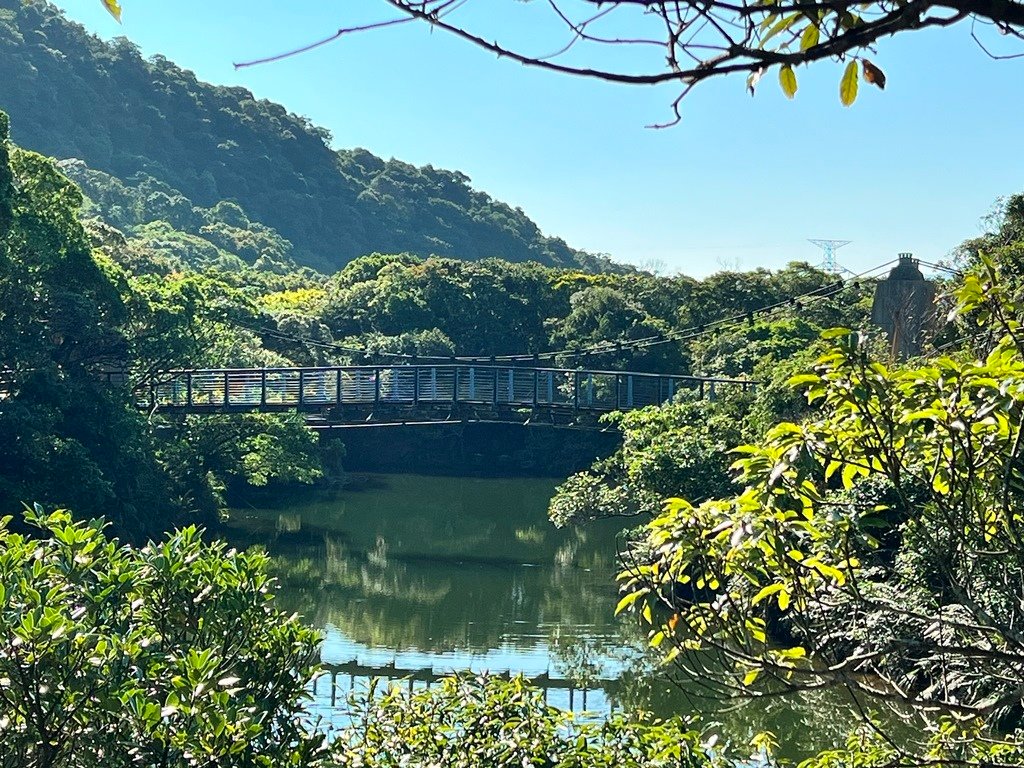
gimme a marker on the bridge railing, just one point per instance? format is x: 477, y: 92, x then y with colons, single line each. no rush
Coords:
x: 495, y: 385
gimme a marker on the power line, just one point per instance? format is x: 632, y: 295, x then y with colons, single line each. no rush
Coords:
x: 604, y: 347
x: 685, y: 334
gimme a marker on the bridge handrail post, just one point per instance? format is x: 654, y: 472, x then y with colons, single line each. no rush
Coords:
x: 415, y: 384
x: 302, y: 387
x: 575, y: 391
x: 629, y: 391
x: 551, y: 387
x: 433, y: 382
x: 671, y: 387
x: 536, y: 385
x: 472, y: 383
x: 618, y: 392
x: 455, y: 385
x: 511, y: 383
x: 494, y: 392
x: 188, y: 389
x: 337, y: 387
x: 227, y: 392
x: 376, y: 385
x: 263, y: 387
x: 700, y: 389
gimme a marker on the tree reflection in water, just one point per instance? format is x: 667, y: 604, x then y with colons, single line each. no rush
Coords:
x: 468, y: 573
x: 440, y: 565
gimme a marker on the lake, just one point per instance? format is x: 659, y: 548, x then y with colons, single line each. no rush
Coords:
x: 456, y: 574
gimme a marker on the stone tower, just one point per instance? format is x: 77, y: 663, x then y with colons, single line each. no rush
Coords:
x: 903, y: 306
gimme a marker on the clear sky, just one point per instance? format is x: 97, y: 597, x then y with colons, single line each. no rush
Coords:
x: 742, y: 182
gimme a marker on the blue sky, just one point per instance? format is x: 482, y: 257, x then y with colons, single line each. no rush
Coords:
x: 742, y: 182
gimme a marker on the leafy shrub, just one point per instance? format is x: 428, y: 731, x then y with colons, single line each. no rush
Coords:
x: 169, y: 655
x: 468, y: 722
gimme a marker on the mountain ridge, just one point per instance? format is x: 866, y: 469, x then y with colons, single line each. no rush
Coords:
x: 72, y: 95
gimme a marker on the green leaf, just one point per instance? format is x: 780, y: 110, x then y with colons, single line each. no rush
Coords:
x: 835, y: 333
x: 803, y: 378
x: 771, y: 589
x: 783, y: 599
x: 787, y: 79
x: 810, y: 37
x: 797, y: 652
x: 628, y: 600
x: 848, y: 85
x: 780, y: 26
x: 850, y: 471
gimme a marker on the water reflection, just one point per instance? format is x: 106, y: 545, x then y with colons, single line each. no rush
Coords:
x: 442, y: 566
x: 467, y: 574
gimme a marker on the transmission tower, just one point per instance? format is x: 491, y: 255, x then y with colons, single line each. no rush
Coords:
x: 829, y: 248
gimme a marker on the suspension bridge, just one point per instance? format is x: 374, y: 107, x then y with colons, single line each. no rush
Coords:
x: 340, y: 396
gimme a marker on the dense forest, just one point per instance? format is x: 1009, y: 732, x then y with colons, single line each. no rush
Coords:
x: 116, y: 303
x: 79, y: 301
x: 167, y: 157
x: 851, y: 525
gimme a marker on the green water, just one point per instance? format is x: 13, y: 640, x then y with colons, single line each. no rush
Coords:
x: 452, y: 573
x: 468, y: 574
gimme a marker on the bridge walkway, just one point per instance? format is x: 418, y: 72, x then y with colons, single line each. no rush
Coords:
x: 375, y: 387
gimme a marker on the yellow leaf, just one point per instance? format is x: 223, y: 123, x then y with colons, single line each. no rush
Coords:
x: 628, y: 600
x: 751, y: 676
x: 787, y: 79
x: 848, y: 85
x: 809, y: 38
x: 114, y: 7
x: 783, y: 599
x: 771, y: 589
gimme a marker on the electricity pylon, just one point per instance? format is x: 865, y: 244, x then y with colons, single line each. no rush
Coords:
x: 829, y: 248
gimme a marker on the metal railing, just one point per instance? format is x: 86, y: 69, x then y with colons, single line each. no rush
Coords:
x: 227, y: 389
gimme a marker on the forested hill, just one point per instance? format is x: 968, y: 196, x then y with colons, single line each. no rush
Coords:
x: 155, y: 127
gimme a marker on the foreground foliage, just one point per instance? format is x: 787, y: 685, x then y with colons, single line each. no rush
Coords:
x: 170, y: 655
x: 691, y: 43
x: 875, y: 547
x: 472, y: 722
x: 173, y: 655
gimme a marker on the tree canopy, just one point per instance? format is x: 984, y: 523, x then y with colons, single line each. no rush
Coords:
x: 158, y: 150
x: 871, y: 546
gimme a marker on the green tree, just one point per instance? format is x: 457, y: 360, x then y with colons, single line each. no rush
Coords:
x: 678, y: 448
x: 79, y: 335
x: 67, y: 436
x: 169, y: 655
x: 874, y: 547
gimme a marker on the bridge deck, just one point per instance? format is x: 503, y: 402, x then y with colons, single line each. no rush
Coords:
x: 410, y: 386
